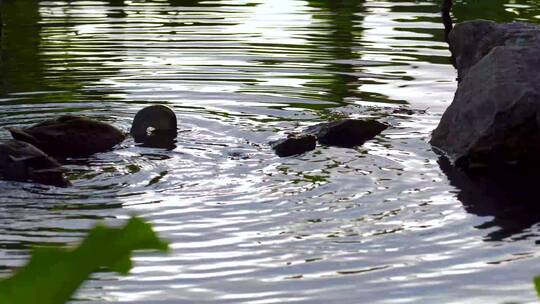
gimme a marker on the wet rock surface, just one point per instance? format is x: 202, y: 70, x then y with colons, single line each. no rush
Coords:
x: 495, y: 115
x: 471, y: 41
x: 294, y: 145
x: 21, y: 161
x: 346, y: 133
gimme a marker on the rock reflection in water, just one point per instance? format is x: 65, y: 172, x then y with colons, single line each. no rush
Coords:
x: 510, y: 197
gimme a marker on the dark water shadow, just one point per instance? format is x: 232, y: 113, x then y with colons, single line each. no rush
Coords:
x: 510, y: 197
x: 161, y: 141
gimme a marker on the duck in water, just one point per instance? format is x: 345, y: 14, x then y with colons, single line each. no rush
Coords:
x: 79, y: 136
x: 21, y: 161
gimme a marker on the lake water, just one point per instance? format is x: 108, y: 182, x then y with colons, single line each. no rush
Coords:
x: 387, y: 222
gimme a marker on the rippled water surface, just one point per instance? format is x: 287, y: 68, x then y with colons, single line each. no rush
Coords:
x: 387, y: 222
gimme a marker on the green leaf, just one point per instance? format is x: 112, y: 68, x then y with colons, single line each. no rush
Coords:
x: 54, y: 274
x: 537, y: 285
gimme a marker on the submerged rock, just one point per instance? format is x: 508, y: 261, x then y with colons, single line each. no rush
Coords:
x: 495, y: 115
x: 294, y: 144
x: 346, y: 133
x: 21, y: 161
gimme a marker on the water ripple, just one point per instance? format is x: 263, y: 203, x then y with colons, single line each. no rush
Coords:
x: 388, y: 221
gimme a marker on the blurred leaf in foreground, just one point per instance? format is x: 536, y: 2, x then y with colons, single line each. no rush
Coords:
x: 53, y: 274
x: 537, y: 285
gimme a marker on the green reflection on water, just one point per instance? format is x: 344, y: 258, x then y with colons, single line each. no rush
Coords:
x: 20, y: 65
x: 24, y: 66
x: 334, y: 43
x: 341, y: 33
x: 498, y: 10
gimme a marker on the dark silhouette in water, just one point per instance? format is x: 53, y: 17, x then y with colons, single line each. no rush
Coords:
x: 448, y: 26
x: 78, y: 136
x: 70, y: 136
x: 346, y: 133
x: 21, y: 161
x: 509, y: 196
x: 447, y: 19
x: 155, y: 126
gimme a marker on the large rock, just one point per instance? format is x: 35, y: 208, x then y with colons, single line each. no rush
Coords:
x: 21, y: 161
x: 472, y: 40
x: 494, y: 118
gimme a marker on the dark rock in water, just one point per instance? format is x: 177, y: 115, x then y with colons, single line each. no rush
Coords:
x: 294, y: 144
x: 70, y: 136
x: 495, y: 116
x: 346, y: 133
x: 21, y: 161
